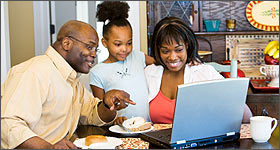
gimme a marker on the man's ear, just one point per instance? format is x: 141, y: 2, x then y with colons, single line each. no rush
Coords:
x: 67, y: 43
x: 104, y: 42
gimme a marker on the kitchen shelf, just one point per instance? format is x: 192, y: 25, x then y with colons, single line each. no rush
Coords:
x: 239, y: 33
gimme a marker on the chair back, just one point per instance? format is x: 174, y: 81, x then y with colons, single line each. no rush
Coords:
x: 232, y: 68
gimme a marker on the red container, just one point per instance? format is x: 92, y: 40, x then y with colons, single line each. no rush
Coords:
x: 240, y: 73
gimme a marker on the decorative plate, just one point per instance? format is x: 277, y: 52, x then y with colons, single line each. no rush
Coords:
x: 263, y: 15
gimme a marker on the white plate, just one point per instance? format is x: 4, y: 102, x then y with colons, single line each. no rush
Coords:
x: 118, y: 129
x: 111, y: 144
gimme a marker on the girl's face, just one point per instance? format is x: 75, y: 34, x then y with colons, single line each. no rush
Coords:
x: 119, y: 43
x: 174, y: 55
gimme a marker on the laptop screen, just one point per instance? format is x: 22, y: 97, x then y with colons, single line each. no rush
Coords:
x: 208, y: 109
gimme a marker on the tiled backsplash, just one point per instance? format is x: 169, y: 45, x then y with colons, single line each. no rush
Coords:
x: 249, y: 50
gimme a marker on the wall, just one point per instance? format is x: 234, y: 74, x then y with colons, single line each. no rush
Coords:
x: 134, y: 19
x: 22, y: 34
x: 5, y: 45
x: 143, y: 27
x: 21, y: 31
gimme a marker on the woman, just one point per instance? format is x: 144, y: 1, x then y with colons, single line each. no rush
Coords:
x: 175, y: 48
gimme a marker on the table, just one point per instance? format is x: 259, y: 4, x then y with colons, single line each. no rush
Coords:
x: 85, y: 130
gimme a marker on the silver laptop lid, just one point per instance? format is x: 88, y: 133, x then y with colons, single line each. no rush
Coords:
x: 210, y: 108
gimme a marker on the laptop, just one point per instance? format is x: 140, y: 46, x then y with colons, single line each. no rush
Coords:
x: 206, y: 113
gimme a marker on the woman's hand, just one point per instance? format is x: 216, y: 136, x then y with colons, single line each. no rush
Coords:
x: 195, y: 62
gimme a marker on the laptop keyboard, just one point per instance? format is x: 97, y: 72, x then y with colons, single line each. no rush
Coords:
x: 162, y: 135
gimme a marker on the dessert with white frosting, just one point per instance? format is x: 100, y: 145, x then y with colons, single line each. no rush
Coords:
x: 137, y: 124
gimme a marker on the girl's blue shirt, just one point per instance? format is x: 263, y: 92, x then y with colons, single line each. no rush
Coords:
x: 127, y: 75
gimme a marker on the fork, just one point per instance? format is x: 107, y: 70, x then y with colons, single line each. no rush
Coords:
x: 125, y: 128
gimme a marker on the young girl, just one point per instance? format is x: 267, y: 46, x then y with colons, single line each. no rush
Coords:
x: 174, y: 46
x: 124, y: 68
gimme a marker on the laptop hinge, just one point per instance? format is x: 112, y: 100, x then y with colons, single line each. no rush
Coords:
x: 230, y: 133
x: 181, y: 142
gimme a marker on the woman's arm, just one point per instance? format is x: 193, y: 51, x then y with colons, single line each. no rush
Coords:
x: 247, y: 114
x: 149, y: 60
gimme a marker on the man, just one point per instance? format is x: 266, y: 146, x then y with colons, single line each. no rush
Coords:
x: 42, y: 100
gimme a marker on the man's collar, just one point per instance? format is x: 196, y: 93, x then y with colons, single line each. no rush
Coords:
x: 61, y: 64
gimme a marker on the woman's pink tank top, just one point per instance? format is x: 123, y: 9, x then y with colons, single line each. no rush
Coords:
x: 161, y: 109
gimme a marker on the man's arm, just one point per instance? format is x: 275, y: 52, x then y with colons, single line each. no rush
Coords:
x: 21, y: 107
x: 38, y: 143
x: 113, y: 100
x: 35, y: 143
x: 106, y: 114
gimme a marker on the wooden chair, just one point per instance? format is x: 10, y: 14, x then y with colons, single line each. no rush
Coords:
x: 232, y: 68
x: 202, y: 53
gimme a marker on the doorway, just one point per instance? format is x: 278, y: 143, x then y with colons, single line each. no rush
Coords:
x: 63, y: 11
x: 49, y: 16
x: 60, y: 12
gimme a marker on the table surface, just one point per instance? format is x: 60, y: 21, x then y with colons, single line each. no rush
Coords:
x: 247, y: 143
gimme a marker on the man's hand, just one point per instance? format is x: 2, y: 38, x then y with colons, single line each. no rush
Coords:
x: 64, y: 144
x: 117, y: 99
x: 113, y: 100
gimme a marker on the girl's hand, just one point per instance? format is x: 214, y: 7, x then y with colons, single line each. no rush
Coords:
x: 120, y: 120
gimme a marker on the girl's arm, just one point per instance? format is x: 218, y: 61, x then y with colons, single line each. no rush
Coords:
x: 97, y: 92
x: 149, y: 60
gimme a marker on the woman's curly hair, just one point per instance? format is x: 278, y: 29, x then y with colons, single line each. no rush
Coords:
x: 116, y: 12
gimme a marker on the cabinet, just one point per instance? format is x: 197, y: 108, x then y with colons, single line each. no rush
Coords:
x: 156, y: 10
x: 194, y: 12
x: 260, y: 101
